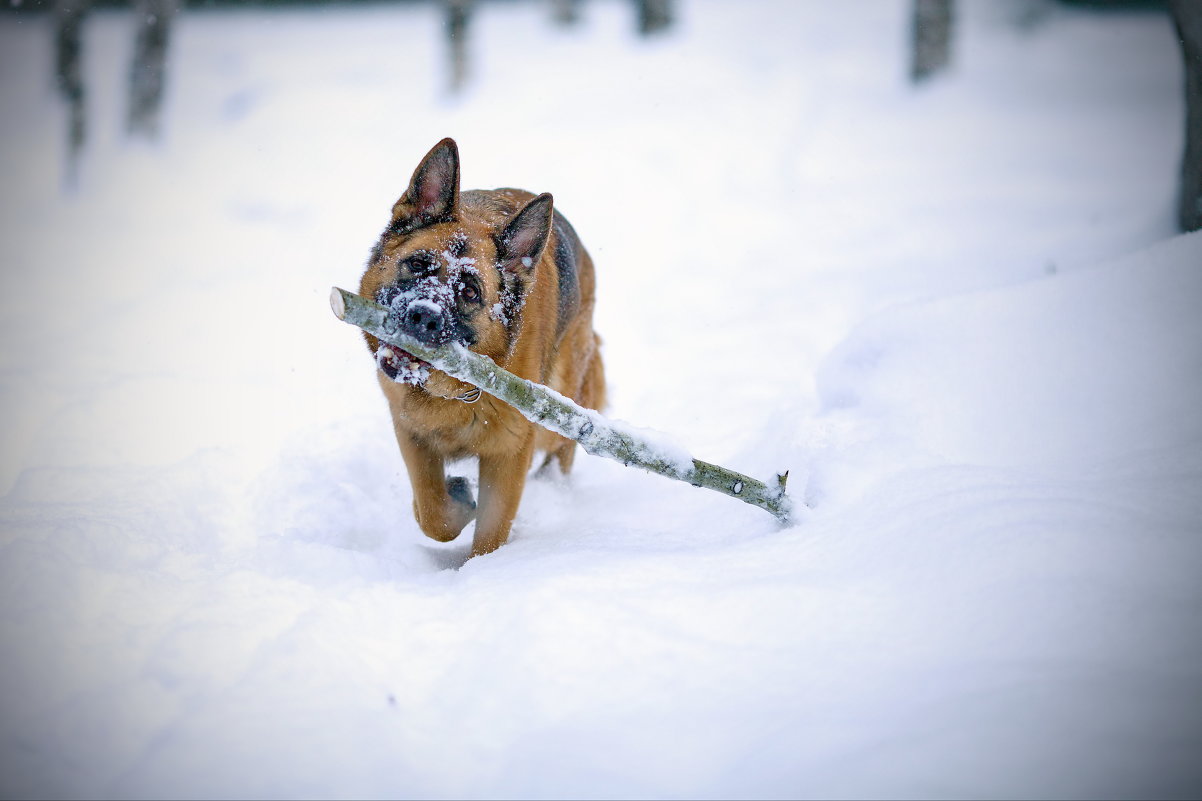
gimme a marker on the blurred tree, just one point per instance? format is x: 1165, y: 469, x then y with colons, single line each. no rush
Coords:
x: 931, y: 29
x: 148, y: 68
x: 458, y: 15
x: 68, y: 73
x: 654, y: 15
x: 1187, y: 15
x: 566, y: 12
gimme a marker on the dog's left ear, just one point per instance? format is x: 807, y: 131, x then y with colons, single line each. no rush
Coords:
x: 433, y: 193
x: 521, y: 244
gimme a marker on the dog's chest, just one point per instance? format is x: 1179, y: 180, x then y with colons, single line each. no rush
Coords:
x: 458, y: 429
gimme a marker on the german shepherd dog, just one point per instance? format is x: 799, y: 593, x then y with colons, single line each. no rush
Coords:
x: 503, y: 273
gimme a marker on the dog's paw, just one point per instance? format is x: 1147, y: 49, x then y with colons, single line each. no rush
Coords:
x: 460, y: 491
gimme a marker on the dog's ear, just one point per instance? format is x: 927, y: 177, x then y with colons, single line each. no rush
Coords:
x: 521, y: 244
x: 433, y: 193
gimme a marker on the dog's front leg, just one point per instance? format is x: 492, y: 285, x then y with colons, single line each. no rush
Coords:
x: 440, y: 515
x: 502, y: 479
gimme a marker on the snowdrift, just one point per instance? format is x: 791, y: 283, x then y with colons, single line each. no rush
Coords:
x: 995, y: 593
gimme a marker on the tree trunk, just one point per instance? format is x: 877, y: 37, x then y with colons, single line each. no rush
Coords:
x: 459, y: 14
x: 931, y: 38
x: 68, y: 74
x: 598, y: 435
x: 1187, y: 14
x: 147, y: 74
x: 566, y: 12
x: 654, y: 16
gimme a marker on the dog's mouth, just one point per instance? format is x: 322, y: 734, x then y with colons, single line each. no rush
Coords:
x: 402, y: 366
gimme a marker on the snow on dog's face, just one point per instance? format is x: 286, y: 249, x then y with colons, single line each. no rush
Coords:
x: 436, y: 295
x: 453, y: 269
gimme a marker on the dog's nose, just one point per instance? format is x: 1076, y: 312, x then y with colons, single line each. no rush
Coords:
x: 424, y: 321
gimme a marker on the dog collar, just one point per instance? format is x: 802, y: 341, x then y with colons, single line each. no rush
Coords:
x: 471, y: 396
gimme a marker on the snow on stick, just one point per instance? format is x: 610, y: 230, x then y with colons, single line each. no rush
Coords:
x: 597, y: 434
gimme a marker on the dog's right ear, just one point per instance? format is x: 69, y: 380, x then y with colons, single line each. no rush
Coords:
x: 433, y: 193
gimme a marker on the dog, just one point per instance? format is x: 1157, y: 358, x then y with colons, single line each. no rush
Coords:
x: 503, y: 273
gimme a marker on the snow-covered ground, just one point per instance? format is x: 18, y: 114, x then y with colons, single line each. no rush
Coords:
x: 957, y: 314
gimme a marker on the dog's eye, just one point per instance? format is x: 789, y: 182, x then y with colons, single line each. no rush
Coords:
x: 420, y: 265
x: 470, y: 293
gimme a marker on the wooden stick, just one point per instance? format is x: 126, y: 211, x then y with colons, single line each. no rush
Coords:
x: 597, y: 434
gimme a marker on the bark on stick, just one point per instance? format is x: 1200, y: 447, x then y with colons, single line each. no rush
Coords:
x: 595, y: 433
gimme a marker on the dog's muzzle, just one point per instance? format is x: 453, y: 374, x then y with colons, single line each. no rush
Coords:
x: 426, y: 321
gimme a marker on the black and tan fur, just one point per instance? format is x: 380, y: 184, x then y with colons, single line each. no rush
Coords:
x: 504, y: 274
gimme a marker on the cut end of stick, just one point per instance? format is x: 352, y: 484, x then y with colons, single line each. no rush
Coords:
x: 337, y: 303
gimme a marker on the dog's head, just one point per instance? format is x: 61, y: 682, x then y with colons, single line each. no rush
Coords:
x: 454, y: 268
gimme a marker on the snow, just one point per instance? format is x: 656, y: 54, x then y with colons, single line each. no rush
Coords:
x: 402, y: 366
x: 457, y: 266
x: 958, y: 315
x: 649, y: 444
